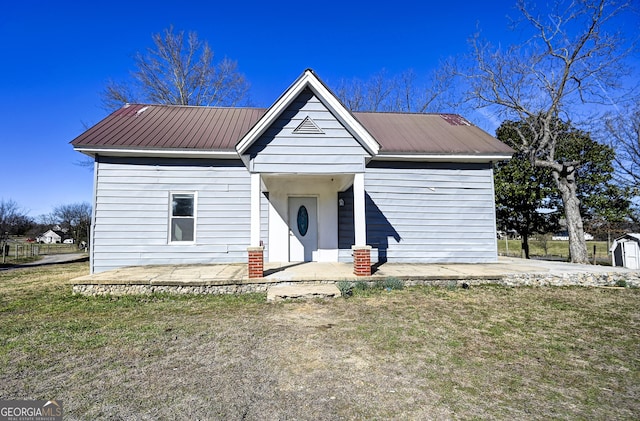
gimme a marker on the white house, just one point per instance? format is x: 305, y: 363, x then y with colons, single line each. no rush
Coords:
x: 49, y: 237
x: 303, y: 180
x: 625, y: 251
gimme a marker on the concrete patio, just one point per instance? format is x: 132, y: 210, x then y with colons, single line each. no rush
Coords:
x: 233, y: 278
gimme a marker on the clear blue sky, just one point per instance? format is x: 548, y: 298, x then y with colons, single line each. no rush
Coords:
x: 57, y: 56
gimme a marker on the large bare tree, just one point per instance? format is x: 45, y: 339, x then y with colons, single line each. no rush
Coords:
x: 179, y: 70
x: 573, y: 56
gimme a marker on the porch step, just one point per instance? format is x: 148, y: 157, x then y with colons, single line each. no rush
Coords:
x: 302, y: 291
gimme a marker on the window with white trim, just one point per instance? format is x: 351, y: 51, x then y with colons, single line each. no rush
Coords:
x: 182, y: 217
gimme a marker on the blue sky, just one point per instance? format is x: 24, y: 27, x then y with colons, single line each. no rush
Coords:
x: 57, y: 56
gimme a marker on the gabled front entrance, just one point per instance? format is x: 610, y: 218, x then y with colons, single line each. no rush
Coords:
x: 302, y: 152
x: 319, y: 195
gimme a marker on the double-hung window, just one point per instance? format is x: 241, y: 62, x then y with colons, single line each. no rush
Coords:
x: 182, y: 217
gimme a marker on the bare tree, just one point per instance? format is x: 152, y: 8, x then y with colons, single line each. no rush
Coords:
x: 623, y: 132
x: 75, y: 217
x: 46, y: 220
x: 571, y: 59
x: 13, y: 219
x: 400, y: 93
x: 179, y: 71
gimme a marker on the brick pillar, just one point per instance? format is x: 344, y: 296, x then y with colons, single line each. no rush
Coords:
x: 256, y: 262
x: 361, y: 260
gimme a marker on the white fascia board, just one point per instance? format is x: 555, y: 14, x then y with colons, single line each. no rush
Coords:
x: 272, y: 113
x: 442, y: 158
x: 159, y: 153
x: 308, y: 78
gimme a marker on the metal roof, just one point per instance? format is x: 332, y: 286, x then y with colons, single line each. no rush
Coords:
x: 139, y: 126
x: 193, y: 128
x: 413, y: 133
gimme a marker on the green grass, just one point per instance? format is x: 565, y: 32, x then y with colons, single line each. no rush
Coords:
x: 413, y: 353
x: 558, y: 249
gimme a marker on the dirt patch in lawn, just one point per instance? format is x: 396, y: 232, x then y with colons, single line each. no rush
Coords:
x: 418, y: 353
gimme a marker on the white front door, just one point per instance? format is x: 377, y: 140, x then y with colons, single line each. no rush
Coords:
x: 303, y: 228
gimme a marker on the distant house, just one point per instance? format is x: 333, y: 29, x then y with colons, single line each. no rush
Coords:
x: 625, y: 251
x: 50, y: 237
x: 303, y: 180
x: 564, y: 236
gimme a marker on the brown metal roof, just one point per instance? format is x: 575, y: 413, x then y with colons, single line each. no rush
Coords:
x: 406, y: 133
x: 139, y: 126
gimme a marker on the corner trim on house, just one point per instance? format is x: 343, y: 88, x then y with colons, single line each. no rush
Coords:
x: 96, y: 169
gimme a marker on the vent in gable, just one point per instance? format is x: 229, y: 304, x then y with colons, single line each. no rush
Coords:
x: 308, y: 126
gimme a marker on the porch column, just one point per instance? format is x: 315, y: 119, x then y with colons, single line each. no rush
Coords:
x: 361, y: 252
x: 255, y: 250
x: 255, y: 209
x: 359, y: 220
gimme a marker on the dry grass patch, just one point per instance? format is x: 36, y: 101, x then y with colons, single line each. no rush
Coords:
x: 419, y: 353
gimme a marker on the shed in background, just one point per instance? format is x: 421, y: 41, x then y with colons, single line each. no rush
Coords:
x: 625, y: 251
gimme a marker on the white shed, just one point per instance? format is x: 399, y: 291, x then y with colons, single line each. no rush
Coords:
x: 625, y: 251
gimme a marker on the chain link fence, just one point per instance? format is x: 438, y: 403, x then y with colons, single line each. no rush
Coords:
x: 13, y: 251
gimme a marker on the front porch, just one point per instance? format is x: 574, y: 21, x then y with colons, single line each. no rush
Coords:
x: 302, y: 220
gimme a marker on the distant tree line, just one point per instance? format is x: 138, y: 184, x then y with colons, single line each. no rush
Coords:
x: 74, y: 218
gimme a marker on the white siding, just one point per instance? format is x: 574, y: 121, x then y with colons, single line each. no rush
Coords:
x: 426, y: 213
x: 132, y: 210
x: 280, y: 150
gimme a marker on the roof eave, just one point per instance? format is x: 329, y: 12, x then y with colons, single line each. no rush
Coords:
x: 478, y: 158
x: 157, y: 153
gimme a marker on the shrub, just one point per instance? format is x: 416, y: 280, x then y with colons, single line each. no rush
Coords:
x: 621, y: 283
x: 361, y: 286
x: 345, y: 288
x: 393, y: 283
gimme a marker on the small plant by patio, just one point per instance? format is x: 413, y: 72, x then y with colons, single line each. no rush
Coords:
x: 361, y: 286
x: 621, y: 283
x: 346, y: 290
x: 393, y: 283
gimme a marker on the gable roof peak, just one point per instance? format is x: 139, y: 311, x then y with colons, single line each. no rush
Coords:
x: 309, y: 79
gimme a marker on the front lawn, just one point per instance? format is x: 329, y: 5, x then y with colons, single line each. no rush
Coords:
x: 418, y: 353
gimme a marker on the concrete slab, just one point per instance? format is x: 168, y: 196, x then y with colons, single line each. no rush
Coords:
x: 302, y: 291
